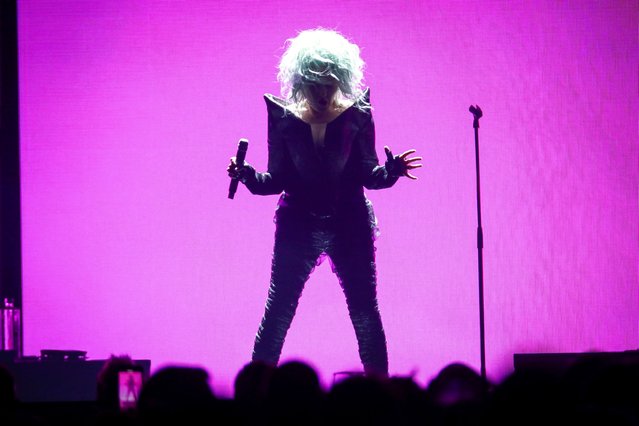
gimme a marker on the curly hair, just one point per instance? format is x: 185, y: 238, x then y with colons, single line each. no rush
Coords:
x: 317, y: 55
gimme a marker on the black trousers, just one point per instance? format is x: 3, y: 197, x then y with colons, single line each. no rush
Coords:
x: 348, y: 240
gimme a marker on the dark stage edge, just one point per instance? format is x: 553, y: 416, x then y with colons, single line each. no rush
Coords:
x: 559, y: 363
x: 38, y: 381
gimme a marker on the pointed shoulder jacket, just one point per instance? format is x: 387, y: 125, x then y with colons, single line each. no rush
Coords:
x: 326, y: 179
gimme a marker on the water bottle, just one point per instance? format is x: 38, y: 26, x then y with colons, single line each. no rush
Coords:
x: 10, y: 324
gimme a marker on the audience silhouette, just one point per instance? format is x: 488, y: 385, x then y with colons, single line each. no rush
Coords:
x: 457, y: 395
x: 108, y: 389
x: 294, y: 395
x: 250, y: 392
x: 177, y: 395
x: 590, y: 392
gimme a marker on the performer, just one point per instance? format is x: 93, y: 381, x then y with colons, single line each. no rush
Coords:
x: 321, y: 155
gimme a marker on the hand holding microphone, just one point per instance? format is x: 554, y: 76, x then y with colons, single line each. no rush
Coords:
x: 238, y: 169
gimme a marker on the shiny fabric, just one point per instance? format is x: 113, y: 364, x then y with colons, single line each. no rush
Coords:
x: 322, y: 211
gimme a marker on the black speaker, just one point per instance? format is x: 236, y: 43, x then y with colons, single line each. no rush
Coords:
x: 558, y: 363
x: 59, y: 379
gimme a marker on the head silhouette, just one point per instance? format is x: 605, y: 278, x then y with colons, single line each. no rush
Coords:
x: 108, y: 383
x: 176, y: 393
x: 456, y: 383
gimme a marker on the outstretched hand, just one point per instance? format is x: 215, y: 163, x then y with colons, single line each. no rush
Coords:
x: 403, y: 162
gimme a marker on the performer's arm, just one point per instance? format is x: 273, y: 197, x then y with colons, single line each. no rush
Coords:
x: 271, y: 181
x: 373, y: 175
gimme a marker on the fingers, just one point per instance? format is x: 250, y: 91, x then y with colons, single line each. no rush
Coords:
x: 389, y: 154
x: 232, y: 169
x: 403, y: 155
x: 410, y: 167
x: 406, y: 153
x: 408, y: 163
x: 408, y: 175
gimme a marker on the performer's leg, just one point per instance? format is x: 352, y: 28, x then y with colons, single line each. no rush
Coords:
x: 353, y: 258
x: 294, y: 257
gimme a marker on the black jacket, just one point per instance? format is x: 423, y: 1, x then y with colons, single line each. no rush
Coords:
x: 326, y: 180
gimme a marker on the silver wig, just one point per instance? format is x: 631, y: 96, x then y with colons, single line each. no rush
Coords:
x: 318, y: 55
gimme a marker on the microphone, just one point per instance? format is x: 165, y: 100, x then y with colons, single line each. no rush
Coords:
x: 242, y: 147
x: 477, y: 114
x: 476, y: 111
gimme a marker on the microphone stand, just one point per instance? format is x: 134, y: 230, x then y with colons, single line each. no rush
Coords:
x: 477, y: 114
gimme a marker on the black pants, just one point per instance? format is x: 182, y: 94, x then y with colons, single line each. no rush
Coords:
x: 348, y: 239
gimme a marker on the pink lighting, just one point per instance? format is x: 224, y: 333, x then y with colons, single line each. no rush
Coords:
x: 129, y: 112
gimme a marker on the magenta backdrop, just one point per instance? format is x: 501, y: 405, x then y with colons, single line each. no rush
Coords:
x: 130, y: 111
